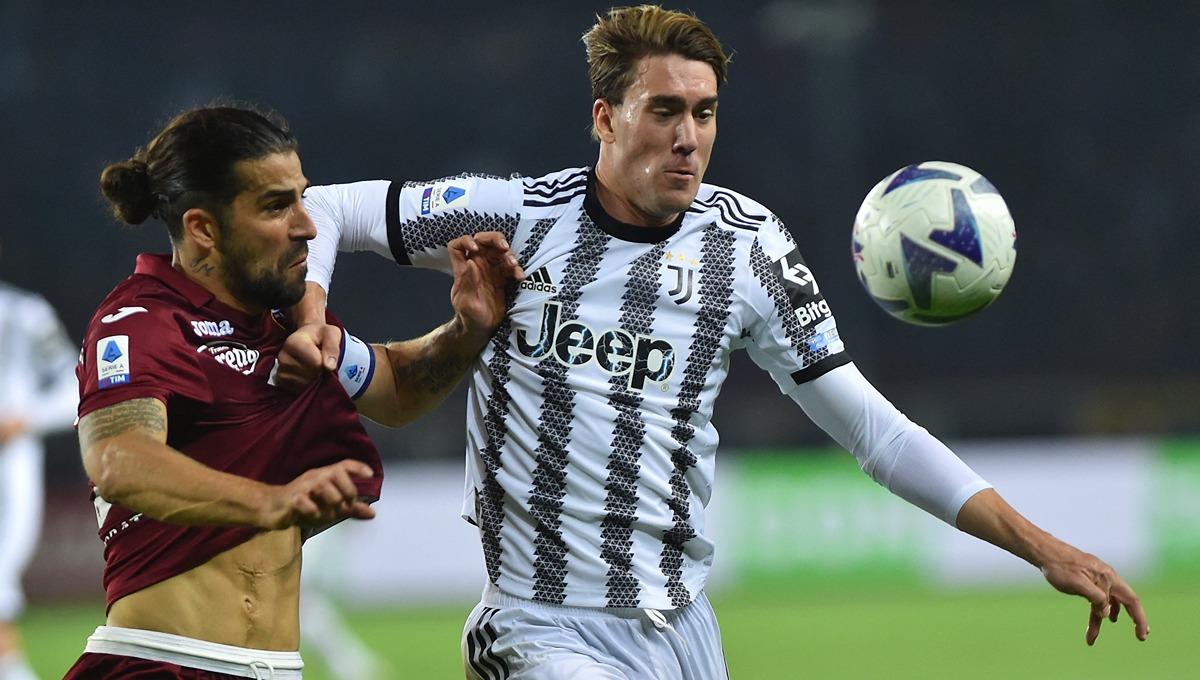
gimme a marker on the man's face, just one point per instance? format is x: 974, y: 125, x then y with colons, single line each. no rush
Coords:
x: 264, y: 238
x: 663, y: 134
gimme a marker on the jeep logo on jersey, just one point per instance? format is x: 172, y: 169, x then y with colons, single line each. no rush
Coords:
x: 215, y: 329
x: 615, y: 351
x: 801, y: 288
x: 235, y: 355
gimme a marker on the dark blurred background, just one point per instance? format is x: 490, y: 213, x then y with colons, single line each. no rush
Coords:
x: 1086, y: 115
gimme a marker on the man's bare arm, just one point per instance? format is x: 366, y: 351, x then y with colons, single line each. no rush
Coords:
x: 126, y: 456
x: 413, y: 376
x: 987, y: 516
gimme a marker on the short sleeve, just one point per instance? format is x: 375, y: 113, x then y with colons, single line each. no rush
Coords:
x: 791, y: 333
x: 134, y: 352
x: 423, y: 217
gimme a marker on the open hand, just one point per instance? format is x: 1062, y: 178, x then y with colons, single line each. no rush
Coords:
x: 1077, y: 573
x: 483, y: 267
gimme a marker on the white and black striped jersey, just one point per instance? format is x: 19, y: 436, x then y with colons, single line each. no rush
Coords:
x: 37, y: 364
x: 590, y: 446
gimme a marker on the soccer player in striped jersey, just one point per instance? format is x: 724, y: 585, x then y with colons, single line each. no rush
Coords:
x: 590, y: 445
x: 37, y: 371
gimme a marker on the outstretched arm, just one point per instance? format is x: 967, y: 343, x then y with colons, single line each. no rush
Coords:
x: 914, y: 465
x: 987, y: 516
x: 420, y: 372
x: 126, y: 456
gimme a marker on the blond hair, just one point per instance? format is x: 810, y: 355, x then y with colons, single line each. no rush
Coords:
x: 619, y: 40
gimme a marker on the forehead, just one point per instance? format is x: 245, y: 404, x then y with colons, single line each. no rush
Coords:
x: 270, y: 173
x: 673, y: 75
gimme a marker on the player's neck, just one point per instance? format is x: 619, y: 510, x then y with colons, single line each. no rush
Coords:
x: 206, y: 273
x: 618, y: 206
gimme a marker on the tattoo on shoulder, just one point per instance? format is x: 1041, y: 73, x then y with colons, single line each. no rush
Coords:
x: 146, y: 414
x: 199, y: 266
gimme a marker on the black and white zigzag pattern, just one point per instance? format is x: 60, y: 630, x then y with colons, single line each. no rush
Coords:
x: 490, y: 500
x: 715, y: 297
x: 555, y: 424
x: 620, y: 503
x: 796, y: 333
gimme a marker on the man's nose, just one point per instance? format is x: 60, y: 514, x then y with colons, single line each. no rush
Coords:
x: 685, y: 136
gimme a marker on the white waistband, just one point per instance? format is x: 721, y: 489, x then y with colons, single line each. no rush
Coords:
x: 497, y: 598
x: 197, y: 654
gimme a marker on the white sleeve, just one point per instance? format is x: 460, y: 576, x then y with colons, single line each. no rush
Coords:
x: 410, y: 223
x: 54, y: 359
x: 897, y: 453
x: 348, y: 217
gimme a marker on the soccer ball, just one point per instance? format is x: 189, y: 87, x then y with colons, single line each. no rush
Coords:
x: 934, y: 243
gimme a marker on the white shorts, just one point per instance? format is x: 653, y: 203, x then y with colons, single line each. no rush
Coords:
x: 509, y: 638
x: 20, y: 518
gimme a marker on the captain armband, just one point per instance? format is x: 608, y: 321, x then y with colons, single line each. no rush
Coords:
x: 356, y: 365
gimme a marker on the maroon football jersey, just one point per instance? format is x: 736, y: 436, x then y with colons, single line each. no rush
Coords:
x: 158, y: 334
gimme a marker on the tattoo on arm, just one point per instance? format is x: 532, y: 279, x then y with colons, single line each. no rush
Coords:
x: 199, y: 266
x: 430, y: 375
x: 146, y: 414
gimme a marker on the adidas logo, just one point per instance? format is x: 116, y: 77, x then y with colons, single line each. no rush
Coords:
x: 540, y: 281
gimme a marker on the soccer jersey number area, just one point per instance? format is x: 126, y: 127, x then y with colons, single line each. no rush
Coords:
x: 589, y: 441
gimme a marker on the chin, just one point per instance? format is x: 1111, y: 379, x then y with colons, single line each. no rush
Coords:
x: 678, y: 200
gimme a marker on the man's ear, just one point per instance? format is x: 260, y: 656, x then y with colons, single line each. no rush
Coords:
x: 603, y: 113
x: 200, y: 228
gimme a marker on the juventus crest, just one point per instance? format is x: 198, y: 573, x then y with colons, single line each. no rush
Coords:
x: 684, y: 271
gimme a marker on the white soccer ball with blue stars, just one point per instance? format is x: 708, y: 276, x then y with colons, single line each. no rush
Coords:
x: 934, y: 243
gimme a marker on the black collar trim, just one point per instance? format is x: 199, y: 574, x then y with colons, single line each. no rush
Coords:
x: 621, y: 230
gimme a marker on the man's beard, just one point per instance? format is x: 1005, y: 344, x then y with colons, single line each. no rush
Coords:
x: 270, y: 289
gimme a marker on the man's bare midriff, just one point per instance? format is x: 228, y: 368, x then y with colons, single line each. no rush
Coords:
x: 247, y: 596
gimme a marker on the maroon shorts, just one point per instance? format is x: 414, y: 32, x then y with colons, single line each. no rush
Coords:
x: 112, y: 667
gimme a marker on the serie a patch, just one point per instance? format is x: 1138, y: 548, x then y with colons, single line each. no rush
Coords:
x: 446, y: 195
x: 112, y: 361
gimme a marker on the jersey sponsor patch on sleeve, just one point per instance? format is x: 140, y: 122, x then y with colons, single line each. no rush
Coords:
x: 446, y: 195
x: 801, y: 287
x: 112, y: 361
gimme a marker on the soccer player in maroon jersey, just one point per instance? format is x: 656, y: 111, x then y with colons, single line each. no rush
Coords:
x: 207, y: 477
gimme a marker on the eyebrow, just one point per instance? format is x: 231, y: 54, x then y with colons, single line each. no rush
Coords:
x: 275, y: 194
x: 672, y: 100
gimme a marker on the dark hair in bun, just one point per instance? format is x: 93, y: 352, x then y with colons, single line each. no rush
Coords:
x: 126, y: 186
x: 190, y: 164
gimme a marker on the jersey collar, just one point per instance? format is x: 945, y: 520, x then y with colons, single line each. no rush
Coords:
x: 159, y: 266
x: 621, y: 230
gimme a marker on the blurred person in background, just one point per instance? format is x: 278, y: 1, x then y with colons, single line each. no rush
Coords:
x: 324, y: 632
x: 38, y: 396
x: 590, y: 447
x: 207, y: 478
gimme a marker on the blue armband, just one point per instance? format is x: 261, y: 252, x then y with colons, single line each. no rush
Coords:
x: 356, y: 365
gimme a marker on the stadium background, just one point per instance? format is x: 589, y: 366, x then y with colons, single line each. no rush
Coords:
x: 1084, y: 115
